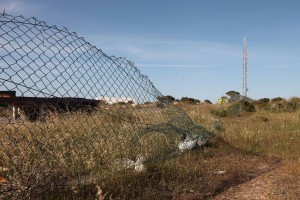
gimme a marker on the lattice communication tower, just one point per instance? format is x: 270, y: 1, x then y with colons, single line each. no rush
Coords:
x: 245, y: 60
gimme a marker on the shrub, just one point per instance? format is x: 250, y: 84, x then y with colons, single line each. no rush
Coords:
x: 295, y: 100
x: 231, y: 93
x: 277, y: 99
x: 166, y: 99
x: 207, y: 101
x: 189, y: 100
x: 234, y: 109
x: 221, y: 112
x: 262, y: 101
x: 282, y: 106
x: 240, y: 106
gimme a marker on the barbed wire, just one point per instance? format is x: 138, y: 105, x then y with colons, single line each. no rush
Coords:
x: 68, y: 111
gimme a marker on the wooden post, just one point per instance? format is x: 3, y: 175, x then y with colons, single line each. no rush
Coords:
x: 16, y: 112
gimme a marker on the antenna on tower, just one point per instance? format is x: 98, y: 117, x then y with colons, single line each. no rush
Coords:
x: 245, y: 59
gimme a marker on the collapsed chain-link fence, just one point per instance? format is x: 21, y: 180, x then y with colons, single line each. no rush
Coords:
x: 71, y: 115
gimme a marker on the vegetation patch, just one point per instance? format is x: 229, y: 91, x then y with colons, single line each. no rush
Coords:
x: 245, y: 147
x: 233, y: 109
x: 279, y: 104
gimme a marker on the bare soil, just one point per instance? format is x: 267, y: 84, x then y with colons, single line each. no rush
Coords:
x: 201, y: 174
x: 239, y: 168
x: 278, y: 184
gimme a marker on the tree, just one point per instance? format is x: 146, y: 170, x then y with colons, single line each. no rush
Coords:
x: 189, y: 100
x: 166, y: 98
x: 207, y: 101
x: 277, y: 99
x: 263, y: 101
x: 232, y: 93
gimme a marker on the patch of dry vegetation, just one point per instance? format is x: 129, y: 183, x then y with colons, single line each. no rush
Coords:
x: 247, y: 144
x: 76, y: 148
x: 268, y: 132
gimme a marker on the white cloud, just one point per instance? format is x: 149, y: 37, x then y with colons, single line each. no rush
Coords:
x: 166, y: 52
x: 150, y: 51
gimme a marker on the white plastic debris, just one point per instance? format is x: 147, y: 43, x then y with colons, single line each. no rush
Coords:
x: 125, y: 163
x: 187, y: 144
x: 220, y: 172
x: 138, y: 165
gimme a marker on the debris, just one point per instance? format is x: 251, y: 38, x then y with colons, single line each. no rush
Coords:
x: 3, y: 180
x: 99, y: 194
x: 190, y: 144
x: 187, y: 144
x: 201, y: 143
x: 220, y: 172
x: 125, y: 163
x: 139, y: 166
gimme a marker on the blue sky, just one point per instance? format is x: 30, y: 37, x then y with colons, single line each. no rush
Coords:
x: 188, y: 48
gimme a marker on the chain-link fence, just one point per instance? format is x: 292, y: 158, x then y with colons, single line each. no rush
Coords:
x: 71, y: 115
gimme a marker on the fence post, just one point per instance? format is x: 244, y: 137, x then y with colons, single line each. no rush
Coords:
x: 16, y: 112
x: 41, y: 112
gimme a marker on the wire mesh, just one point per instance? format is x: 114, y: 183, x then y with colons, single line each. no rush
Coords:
x: 69, y: 112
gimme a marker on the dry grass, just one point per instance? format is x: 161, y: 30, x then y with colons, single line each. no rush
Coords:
x: 78, y: 148
x: 82, y: 147
x: 265, y: 132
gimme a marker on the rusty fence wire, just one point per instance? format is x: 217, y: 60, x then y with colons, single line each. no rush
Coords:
x: 72, y: 115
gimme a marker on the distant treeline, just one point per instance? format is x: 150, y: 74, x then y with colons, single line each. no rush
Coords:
x: 187, y: 100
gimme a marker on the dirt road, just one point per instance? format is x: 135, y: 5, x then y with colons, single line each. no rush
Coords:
x: 279, y: 184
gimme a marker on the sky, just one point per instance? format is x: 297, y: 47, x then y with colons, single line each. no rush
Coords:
x: 190, y: 48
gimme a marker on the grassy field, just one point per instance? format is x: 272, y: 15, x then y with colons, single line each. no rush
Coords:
x: 246, y: 145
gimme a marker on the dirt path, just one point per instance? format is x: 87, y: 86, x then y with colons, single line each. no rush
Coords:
x: 278, y: 184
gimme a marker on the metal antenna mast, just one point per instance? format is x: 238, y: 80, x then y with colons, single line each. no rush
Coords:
x: 245, y: 59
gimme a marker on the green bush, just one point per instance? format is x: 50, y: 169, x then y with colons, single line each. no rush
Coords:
x: 277, y: 99
x: 166, y: 98
x: 240, y: 106
x: 261, y: 101
x: 189, y: 100
x: 282, y: 106
x: 234, y: 109
x: 221, y: 112
x: 207, y: 101
x: 295, y: 100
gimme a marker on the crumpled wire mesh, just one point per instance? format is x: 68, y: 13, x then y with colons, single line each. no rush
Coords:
x: 75, y: 110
